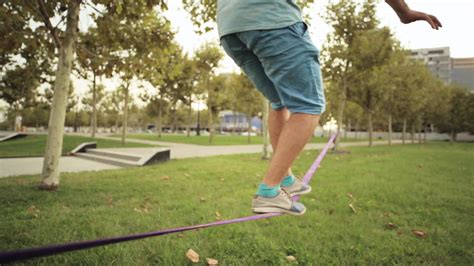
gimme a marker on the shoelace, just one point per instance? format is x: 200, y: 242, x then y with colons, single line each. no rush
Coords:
x: 286, y: 194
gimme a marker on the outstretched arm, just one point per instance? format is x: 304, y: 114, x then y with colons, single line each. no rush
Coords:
x: 407, y: 15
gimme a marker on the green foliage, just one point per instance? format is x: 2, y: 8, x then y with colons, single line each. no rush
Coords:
x: 459, y: 116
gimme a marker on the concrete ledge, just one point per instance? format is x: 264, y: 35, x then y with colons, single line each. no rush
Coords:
x: 160, y: 156
x: 13, y: 136
x: 84, y: 146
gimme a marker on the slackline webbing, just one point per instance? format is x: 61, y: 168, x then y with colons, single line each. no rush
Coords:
x: 24, y: 254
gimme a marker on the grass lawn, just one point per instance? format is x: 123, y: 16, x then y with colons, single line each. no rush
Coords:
x: 428, y: 188
x: 217, y: 141
x: 33, y: 145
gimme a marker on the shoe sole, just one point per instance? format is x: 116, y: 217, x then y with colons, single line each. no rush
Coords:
x: 299, y: 193
x: 262, y: 210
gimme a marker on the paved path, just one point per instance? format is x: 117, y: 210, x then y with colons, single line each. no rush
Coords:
x: 30, y: 166
x: 179, y: 150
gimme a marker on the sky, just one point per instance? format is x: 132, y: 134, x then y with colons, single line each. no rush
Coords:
x: 457, y: 17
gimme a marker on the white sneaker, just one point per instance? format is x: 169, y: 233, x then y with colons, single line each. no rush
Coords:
x: 280, y: 203
x: 298, y: 188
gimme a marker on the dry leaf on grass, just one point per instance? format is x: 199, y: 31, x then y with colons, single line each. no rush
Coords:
x: 192, y: 256
x: 218, y: 216
x: 33, y: 211
x: 419, y: 233
x: 110, y: 201
x: 350, y: 195
x: 202, y: 199
x: 165, y: 178
x: 211, y: 261
x: 352, y: 208
x: 290, y: 258
x: 186, y: 175
x: 391, y: 226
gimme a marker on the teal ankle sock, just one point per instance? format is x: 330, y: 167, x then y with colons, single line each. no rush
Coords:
x: 267, y: 192
x: 288, y: 181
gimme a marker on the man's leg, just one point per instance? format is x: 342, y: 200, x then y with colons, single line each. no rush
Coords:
x: 294, y: 136
x: 276, y: 121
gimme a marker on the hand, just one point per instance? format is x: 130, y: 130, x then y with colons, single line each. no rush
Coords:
x: 411, y: 15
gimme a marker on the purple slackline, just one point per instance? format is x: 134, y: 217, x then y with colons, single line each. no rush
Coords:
x: 24, y: 254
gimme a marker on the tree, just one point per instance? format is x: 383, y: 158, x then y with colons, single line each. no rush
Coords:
x: 128, y: 33
x: 95, y: 102
x: 371, y: 50
x: 61, y: 40
x: 457, y: 119
x: 245, y: 98
x: 207, y: 59
x: 91, y: 57
x: 347, y: 18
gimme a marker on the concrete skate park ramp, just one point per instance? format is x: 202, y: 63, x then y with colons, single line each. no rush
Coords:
x: 123, y: 157
x: 12, y: 136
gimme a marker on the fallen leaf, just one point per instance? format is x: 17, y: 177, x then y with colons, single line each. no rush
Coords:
x: 202, y: 199
x: 192, y: 256
x: 290, y: 258
x: 211, y: 261
x: 391, y: 226
x: 419, y: 233
x: 218, y: 216
x: 386, y: 214
x: 222, y: 179
x: 110, y: 201
x: 180, y: 235
x: 352, y: 208
x: 33, y: 210
x: 137, y: 210
x: 165, y: 177
x: 186, y: 175
x: 350, y: 195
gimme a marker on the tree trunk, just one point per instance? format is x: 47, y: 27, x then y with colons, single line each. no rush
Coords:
x: 266, y: 136
x: 234, y: 118
x: 390, y: 129
x: 340, y: 117
x: 190, y: 119
x: 54, y: 143
x: 425, y: 133
x: 159, y: 126
x: 369, y: 120
x: 125, y: 114
x: 404, y: 130
x: 453, y: 136
x: 94, y: 106
x: 211, y: 125
x: 419, y: 133
x: 249, y: 118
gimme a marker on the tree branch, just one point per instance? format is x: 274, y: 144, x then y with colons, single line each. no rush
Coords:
x: 47, y: 22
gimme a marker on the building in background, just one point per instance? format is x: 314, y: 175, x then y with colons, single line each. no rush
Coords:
x: 462, y: 72
x: 438, y: 61
x: 458, y: 71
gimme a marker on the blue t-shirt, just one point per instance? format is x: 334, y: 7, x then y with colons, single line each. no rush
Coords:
x: 244, y: 15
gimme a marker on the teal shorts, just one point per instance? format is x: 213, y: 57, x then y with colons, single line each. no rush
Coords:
x: 283, y: 64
